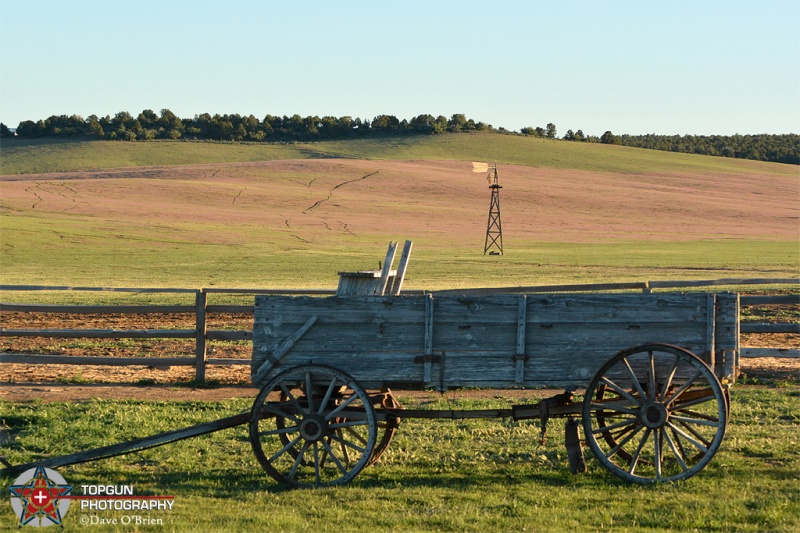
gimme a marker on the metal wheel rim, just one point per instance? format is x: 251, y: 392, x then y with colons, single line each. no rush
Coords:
x: 313, y: 445
x: 386, y: 428
x: 664, y: 425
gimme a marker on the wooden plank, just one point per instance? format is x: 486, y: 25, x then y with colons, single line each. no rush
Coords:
x: 225, y: 361
x: 273, y: 358
x: 711, y: 324
x: 380, y: 288
x: 789, y: 353
x: 36, y: 359
x: 790, y: 299
x: 397, y: 284
x: 229, y: 335
x: 92, y: 289
x: 522, y: 323
x: 611, y: 308
x: 527, y: 289
x: 230, y: 309
x: 428, y: 363
x: 372, y: 370
x: 97, y: 309
x: 724, y: 282
x: 101, y: 333
x: 770, y: 328
x: 286, y: 292
x: 200, y: 351
x: 601, y: 308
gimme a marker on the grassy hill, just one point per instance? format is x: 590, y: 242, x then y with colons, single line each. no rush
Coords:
x: 40, y: 156
x: 202, y: 214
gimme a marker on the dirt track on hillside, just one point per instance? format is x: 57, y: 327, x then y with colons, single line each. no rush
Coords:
x: 311, y: 199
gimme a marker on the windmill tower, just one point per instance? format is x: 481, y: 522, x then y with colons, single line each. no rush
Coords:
x: 494, y: 229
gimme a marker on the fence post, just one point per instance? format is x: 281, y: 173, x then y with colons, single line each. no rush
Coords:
x: 200, y: 331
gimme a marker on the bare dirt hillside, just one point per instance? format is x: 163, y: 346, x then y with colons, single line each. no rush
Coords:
x: 311, y: 200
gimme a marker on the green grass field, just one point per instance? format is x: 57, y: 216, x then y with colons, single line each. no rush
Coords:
x: 436, y: 475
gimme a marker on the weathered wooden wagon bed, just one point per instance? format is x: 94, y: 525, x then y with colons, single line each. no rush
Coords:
x: 652, y: 409
x: 654, y: 371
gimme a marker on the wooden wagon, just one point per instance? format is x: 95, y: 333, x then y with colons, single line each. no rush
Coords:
x: 654, y: 371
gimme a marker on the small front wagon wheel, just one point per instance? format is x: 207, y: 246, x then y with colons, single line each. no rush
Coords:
x: 654, y: 413
x: 313, y: 426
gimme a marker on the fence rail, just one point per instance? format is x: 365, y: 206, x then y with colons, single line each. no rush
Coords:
x: 202, y: 309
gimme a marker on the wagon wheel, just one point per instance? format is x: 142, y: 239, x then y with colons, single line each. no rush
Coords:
x: 312, y: 426
x: 654, y: 413
x: 388, y: 428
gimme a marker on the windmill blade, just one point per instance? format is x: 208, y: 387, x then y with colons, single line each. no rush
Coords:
x: 480, y: 167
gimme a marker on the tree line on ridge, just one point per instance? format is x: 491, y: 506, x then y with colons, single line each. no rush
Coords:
x: 148, y: 125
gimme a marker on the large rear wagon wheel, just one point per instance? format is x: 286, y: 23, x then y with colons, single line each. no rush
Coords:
x: 655, y: 413
x: 313, y: 426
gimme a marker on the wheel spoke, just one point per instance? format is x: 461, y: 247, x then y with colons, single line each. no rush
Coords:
x: 699, y: 436
x: 336, y: 461
x: 348, y: 423
x: 309, y: 392
x: 356, y: 436
x: 651, y: 375
x: 344, y: 442
x: 327, y: 397
x: 635, y: 458
x: 696, y: 444
x: 602, y: 407
x: 292, y: 399
x: 283, y: 414
x: 283, y: 450
x: 657, y: 451
x: 341, y: 406
x: 675, y: 452
x: 607, y: 429
x: 634, y: 379
x: 340, y: 440
x: 697, y: 401
x: 620, y: 390
x: 317, y: 464
x: 298, y: 460
x: 679, y: 444
x: 684, y: 387
x: 623, y: 442
x: 698, y: 421
x: 670, y: 377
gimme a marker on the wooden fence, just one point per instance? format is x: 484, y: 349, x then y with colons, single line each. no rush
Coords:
x: 201, y: 309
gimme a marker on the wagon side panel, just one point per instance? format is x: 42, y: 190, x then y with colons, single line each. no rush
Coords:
x: 375, y: 339
x: 475, y: 339
x: 570, y: 337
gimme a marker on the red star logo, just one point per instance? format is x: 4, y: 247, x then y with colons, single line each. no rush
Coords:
x: 40, y: 498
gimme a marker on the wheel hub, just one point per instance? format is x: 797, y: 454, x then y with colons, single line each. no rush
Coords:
x: 313, y: 428
x: 654, y: 415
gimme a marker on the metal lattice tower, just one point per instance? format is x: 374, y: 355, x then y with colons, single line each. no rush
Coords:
x: 494, y: 230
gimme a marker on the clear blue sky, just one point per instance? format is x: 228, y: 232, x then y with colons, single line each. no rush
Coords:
x: 643, y: 66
